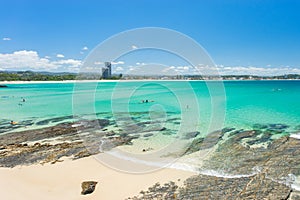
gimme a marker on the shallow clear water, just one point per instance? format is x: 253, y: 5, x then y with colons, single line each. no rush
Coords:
x: 244, y: 103
x: 163, y: 116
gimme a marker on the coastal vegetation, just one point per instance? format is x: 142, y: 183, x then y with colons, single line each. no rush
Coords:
x: 49, y: 76
x: 34, y: 76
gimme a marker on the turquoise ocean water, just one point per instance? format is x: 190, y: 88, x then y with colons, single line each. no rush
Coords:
x: 244, y: 103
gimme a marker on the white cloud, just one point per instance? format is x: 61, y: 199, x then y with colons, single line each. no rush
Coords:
x: 24, y: 59
x: 85, y: 48
x: 170, y: 70
x: 118, y: 63
x: 113, y: 63
x: 60, y: 56
x: 179, y: 70
x: 185, y: 68
x: 259, y: 71
x: 6, y: 39
x: 70, y: 62
x: 30, y: 60
x: 134, y: 47
x: 131, y: 68
x: 228, y: 70
x: 118, y: 69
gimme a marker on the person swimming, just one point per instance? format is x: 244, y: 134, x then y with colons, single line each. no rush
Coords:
x: 13, y: 122
x: 147, y: 101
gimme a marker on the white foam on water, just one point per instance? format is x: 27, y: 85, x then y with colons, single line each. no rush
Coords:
x: 296, y: 186
x: 224, y: 175
x: 296, y: 183
x: 296, y: 136
x: 184, y: 167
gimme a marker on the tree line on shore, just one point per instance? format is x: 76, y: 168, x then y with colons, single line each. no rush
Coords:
x: 46, y: 76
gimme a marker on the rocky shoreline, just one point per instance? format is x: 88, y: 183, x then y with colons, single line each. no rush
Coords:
x: 237, y: 170
x: 210, y: 187
x: 49, y: 145
x: 246, y: 164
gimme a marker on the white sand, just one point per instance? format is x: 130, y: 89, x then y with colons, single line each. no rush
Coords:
x: 66, y: 81
x: 63, y: 181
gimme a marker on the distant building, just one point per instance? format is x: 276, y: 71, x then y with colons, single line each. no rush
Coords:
x: 106, y: 71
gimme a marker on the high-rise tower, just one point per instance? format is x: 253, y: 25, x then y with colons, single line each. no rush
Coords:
x: 106, y: 71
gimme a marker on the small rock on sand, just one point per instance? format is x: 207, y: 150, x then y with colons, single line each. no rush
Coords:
x: 88, y: 187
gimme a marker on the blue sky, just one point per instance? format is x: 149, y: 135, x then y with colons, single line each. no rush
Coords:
x: 258, y: 34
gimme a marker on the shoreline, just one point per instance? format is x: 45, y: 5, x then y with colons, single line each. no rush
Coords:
x: 142, y: 80
x: 63, y: 180
x: 60, y: 176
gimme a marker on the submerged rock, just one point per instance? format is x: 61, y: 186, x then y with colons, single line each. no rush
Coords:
x: 226, y: 130
x: 88, y: 187
x: 259, y: 126
x: 148, y: 135
x: 278, y: 126
x: 191, y: 135
x: 297, y: 128
x: 270, y: 126
x: 205, y: 143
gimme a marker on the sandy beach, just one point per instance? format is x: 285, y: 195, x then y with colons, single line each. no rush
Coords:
x: 63, y: 181
x: 66, y: 81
